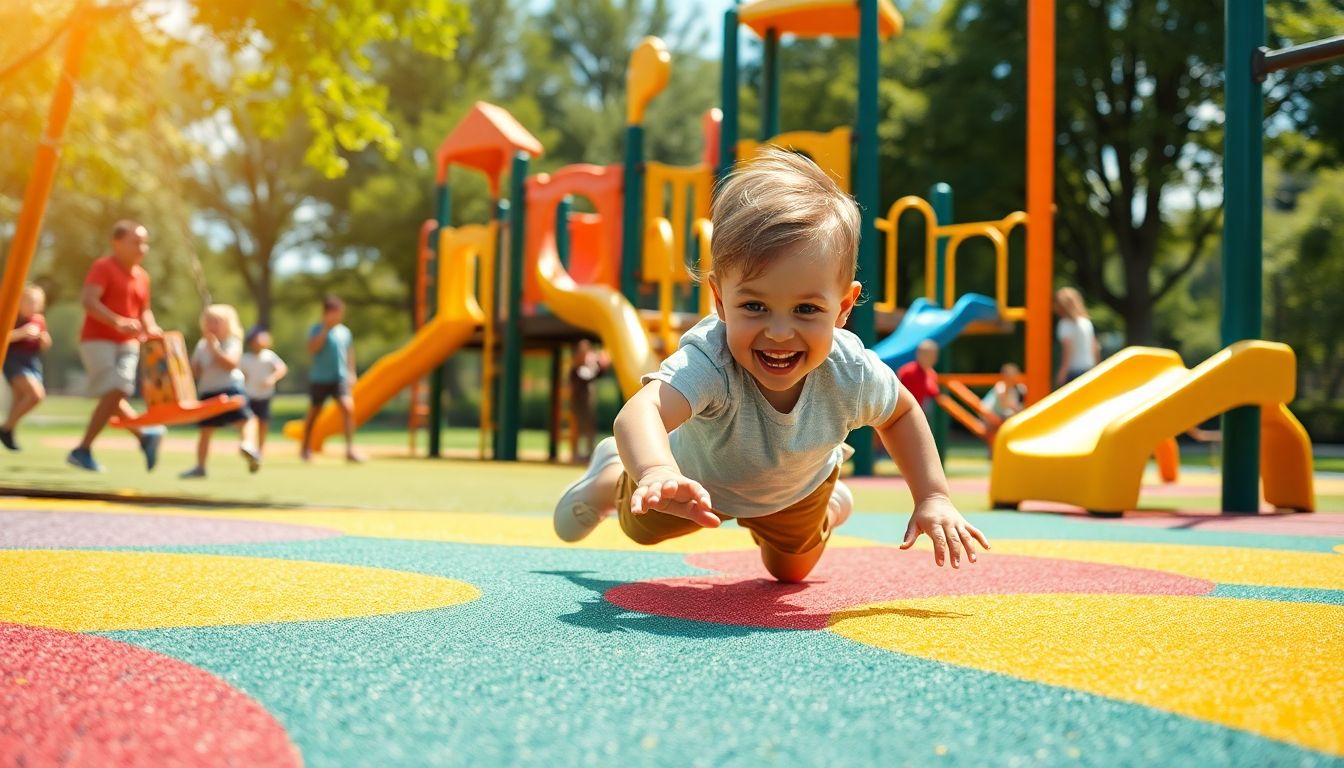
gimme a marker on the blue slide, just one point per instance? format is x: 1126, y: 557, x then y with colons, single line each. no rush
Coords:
x: 925, y: 320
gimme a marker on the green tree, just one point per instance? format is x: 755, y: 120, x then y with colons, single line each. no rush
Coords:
x: 1137, y: 118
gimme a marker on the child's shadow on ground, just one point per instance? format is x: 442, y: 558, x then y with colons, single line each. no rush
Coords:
x: 600, y: 615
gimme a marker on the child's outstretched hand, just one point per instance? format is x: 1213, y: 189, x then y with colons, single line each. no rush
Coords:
x: 673, y: 494
x: 951, y: 534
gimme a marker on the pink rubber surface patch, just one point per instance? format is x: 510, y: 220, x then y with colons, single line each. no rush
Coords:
x: 72, y: 699
x: 746, y: 595
x: 21, y: 528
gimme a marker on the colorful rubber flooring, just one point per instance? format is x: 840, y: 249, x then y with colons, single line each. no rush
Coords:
x: 151, y: 636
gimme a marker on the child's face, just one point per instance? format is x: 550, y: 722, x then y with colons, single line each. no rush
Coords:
x: 334, y: 315
x: 781, y: 322
x: 31, y: 303
x: 214, y: 325
x: 262, y: 341
x: 927, y: 356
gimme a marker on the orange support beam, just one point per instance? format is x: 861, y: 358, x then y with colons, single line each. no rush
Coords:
x: 1040, y: 193
x: 24, y: 245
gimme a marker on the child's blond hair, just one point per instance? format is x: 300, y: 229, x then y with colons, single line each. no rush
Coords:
x: 775, y: 201
x: 227, y: 314
x: 34, y: 293
x: 1070, y: 302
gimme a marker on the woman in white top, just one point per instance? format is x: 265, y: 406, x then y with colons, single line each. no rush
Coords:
x: 1079, y: 350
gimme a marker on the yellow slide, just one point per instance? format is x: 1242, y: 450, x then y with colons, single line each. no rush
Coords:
x: 1087, y: 443
x: 459, y: 315
x: 602, y: 310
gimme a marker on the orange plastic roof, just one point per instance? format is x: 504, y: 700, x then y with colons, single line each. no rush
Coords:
x: 485, y: 139
x: 814, y: 18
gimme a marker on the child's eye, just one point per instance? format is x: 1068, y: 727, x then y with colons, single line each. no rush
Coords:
x: 807, y: 309
x: 754, y: 306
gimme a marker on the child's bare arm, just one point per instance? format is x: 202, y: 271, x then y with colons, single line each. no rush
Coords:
x: 641, y: 431
x: 907, y: 438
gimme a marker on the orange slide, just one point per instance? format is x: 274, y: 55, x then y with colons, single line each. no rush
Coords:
x: 459, y: 315
x: 596, y: 307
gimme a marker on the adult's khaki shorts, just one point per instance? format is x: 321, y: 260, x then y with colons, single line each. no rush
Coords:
x: 110, y: 366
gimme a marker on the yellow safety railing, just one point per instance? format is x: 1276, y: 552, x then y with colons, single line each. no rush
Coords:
x: 889, y: 225
x: 996, y: 232
x: 661, y: 261
x: 468, y: 269
x: 688, y: 190
x: 703, y: 229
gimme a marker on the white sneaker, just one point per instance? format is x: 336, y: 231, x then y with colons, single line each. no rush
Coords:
x: 592, y: 498
x: 841, y: 504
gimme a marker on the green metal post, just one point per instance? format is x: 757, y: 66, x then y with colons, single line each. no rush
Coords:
x: 729, y: 95
x: 496, y: 289
x: 443, y: 210
x: 562, y: 245
x: 863, y: 321
x: 1243, y: 158
x: 940, y: 195
x: 510, y: 402
x: 770, y: 86
x: 632, y: 213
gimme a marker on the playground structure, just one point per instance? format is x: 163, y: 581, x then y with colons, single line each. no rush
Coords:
x: 651, y: 222
x: 590, y: 271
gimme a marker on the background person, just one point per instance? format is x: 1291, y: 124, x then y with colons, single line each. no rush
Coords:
x: 23, y: 361
x: 1079, y: 350
x: 116, y: 318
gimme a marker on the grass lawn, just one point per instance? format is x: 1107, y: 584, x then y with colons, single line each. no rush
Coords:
x: 392, y: 479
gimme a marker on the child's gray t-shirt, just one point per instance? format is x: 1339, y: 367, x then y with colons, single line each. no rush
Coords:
x: 752, y: 459
x: 214, y: 376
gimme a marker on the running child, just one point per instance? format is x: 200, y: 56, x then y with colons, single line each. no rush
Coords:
x: 214, y: 362
x: 332, y: 375
x: 262, y: 370
x: 23, y: 361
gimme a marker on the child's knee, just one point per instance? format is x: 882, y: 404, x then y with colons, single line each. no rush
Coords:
x: 639, y: 533
x: 790, y: 567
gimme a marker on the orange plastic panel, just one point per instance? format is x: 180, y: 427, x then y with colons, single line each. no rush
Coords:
x: 602, y: 185
x: 815, y: 18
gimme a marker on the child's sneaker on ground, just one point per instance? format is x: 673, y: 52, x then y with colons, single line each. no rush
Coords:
x: 193, y: 473
x: 7, y: 439
x: 592, y: 498
x: 841, y: 504
x: 83, y: 458
x: 251, y: 456
x: 150, y: 438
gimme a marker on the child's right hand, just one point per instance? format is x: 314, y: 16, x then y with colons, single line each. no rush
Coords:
x: 674, y: 494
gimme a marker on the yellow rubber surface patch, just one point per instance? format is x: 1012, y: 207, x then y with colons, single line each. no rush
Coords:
x: 1222, y: 565
x: 470, y: 528
x: 1272, y: 668
x: 86, y: 591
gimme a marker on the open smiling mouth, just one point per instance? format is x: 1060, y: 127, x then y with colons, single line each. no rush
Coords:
x: 778, y: 362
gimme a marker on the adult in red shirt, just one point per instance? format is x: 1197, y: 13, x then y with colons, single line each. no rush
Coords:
x: 116, y: 318
x: 919, y: 377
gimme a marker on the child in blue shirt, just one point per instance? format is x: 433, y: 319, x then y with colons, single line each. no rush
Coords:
x: 751, y: 413
x: 332, y: 374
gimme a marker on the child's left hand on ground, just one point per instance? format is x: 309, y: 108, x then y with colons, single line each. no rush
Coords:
x: 951, y: 534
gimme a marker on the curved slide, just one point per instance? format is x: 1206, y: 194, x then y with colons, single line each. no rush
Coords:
x: 458, y: 317
x: 599, y: 309
x: 1087, y: 443
x: 926, y: 320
